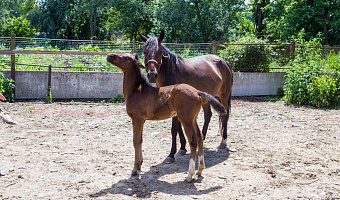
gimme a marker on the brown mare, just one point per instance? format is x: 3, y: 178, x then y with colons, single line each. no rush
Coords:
x: 144, y: 102
x: 208, y: 73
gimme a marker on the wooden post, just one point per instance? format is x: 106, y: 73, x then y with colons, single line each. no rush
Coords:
x: 49, y: 92
x: 292, y: 49
x: 134, y: 46
x: 13, y: 45
x: 214, y: 48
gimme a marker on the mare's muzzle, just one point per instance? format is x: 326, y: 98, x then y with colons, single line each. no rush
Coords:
x: 152, y: 76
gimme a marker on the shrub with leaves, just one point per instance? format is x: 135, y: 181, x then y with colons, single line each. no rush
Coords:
x: 254, y: 57
x: 313, y: 78
x: 6, y: 87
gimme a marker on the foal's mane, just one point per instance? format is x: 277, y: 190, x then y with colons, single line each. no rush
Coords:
x: 152, y: 43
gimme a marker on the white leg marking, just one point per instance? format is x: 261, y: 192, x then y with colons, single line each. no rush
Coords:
x: 191, y: 170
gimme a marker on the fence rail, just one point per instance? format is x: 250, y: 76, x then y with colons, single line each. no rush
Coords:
x: 20, y: 53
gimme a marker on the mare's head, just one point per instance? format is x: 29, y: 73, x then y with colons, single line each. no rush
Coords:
x: 153, y: 52
x: 124, y: 61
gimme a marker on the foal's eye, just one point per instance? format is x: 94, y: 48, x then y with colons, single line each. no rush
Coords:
x: 126, y: 58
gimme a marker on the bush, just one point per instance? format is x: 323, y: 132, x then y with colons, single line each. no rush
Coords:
x: 6, y: 87
x: 322, y: 91
x: 248, y: 58
x: 312, y: 78
x: 18, y: 25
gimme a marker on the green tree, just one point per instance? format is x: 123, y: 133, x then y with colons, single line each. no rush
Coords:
x: 197, y: 20
x: 20, y: 26
x: 286, y: 18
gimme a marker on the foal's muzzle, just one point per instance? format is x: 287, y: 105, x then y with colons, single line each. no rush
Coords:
x: 152, y: 77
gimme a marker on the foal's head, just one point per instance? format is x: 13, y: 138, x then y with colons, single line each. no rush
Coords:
x: 124, y: 61
x: 153, y: 52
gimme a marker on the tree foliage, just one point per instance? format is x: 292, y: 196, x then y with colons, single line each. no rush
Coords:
x: 286, y: 18
x: 183, y: 20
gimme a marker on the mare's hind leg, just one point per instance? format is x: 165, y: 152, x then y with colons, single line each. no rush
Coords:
x: 176, y: 128
x: 207, y: 117
x: 225, y: 100
x: 137, y: 125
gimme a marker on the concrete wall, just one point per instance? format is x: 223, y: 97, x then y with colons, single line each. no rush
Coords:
x: 103, y: 85
x: 248, y: 84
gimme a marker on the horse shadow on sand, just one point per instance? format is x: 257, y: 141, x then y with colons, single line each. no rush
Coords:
x: 144, y: 184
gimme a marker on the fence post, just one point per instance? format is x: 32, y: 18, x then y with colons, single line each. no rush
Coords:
x: 13, y: 45
x: 134, y: 46
x: 292, y: 49
x: 214, y: 48
x: 49, y: 92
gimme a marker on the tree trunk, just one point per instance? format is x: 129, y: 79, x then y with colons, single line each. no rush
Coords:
x: 93, y: 22
x: 259, y: 15
x: 325, y: 29
x: 205, y: 39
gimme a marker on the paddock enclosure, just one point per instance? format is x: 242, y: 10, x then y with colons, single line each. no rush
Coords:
x: 84, y: 150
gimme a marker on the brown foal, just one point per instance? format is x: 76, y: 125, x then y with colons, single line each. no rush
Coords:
x: 144, y: 102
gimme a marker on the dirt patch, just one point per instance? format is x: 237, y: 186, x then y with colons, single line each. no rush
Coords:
x: 85, y: 151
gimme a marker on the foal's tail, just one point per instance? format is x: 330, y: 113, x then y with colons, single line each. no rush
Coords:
x: 223, y: 112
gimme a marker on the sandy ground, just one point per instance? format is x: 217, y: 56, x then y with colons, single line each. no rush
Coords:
x: 78, y: 150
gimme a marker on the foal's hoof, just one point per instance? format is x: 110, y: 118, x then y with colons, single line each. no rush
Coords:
x: 189, y: 179
x: 181, y: 152
x: 169, y: 160
x: 134, y: 173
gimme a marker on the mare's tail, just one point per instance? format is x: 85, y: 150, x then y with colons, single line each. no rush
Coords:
x: 223, y: 112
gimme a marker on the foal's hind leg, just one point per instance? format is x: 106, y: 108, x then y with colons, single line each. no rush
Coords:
x: 207, y: 117
x: 192, y: 139
x: 201, y: 164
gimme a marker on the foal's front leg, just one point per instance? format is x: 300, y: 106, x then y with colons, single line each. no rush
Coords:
x: 137, y: 125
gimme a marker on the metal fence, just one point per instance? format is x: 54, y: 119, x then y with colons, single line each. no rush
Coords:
x: 279, y: 53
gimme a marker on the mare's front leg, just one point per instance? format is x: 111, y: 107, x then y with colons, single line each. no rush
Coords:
x: 176, y: 128
x: 137, y: 125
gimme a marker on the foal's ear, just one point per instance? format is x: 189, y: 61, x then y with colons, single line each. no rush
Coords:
x: 142, y: 37
x: 137, y: 62
x: 135, y: 55
x: 161, y: 36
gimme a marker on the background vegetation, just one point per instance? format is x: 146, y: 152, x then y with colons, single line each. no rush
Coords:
x: 312, y: 76
x: 182, y: 20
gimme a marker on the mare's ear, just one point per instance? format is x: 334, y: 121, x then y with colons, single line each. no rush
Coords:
x: 161, y: 36
x: 142, y: 37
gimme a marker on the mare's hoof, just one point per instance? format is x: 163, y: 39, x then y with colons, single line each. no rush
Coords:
x: 181, y: 152
x: 222, y: 146
x: 169, y: 160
